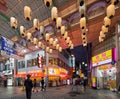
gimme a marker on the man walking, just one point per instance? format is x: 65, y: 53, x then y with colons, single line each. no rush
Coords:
x: 28, y: 87
x: 42, y: 84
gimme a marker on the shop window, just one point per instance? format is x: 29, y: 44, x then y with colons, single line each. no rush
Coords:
x: 34, y: 62
x: 29, y: 63
x: 21, y: 64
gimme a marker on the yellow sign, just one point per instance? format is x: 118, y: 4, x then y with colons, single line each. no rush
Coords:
x: 102, y: 58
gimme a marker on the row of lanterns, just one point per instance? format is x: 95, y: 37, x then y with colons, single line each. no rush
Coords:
x: 82, y: 10
x: 27, y: 15
x: 110, y: 12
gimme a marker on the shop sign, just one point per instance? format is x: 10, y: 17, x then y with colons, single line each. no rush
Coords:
x: 7, y: 46
x: 103, y: 58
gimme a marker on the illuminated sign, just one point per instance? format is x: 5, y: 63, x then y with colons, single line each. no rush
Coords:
x: 103, y: 58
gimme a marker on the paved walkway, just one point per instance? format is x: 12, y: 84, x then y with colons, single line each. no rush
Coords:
x: 58, y: 93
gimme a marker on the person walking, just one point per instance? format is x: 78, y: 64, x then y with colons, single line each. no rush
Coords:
x: 42, y: 84
x: 35, y: 86
x: 28, y: 87
x: 84, y: 83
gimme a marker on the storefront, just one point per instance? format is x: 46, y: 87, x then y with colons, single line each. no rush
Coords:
x: 104, y: 70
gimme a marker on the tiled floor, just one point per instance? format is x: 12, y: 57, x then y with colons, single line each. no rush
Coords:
x: 58, y: 93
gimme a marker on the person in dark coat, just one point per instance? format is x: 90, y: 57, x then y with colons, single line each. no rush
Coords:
x: 42, y: 84
x: 28, y: 87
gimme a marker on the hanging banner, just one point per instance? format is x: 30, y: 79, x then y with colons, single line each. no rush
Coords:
x: 7, y: 46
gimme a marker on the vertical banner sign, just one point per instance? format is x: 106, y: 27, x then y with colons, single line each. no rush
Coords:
x: 7, y: 46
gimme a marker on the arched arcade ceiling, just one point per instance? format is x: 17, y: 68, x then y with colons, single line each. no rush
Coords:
x: 68, y: 10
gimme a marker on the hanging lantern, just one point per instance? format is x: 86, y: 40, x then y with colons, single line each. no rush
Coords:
x: 43, y: 46
x: 27, y: 13
x: 69, y: 44
x: 13, y: 22
x: 81, y: 3
x: 104, y: 29
x: 40, y: 44
x: 102, y: 34
x: 48, y: 3
x: 59, y: 22
x: 35, y: 41
x: 47, y: 37
x: 83, y: 37
x: 107, y: 22
x: 54, y: 43
x: 51, y: 41
x: 29, y: 36
x: 50, y: 51
x: 42, y: 29
x: 83, y: 23
x: 57, y: 46
x: 110, y: 11
x: 84, y: 43
x: 72, y: 46
x: 60, y: 49
x: 101, y: 39
x: 54, y: 13
x: 36, y: 24
x: 47, y: 49
x: 65, y: 35
x: 62, y: 30
x: 68, y: 40
x: 22, y: 31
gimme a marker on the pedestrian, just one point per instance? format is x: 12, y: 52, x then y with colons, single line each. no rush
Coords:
x: 35, y: 86
x: 84, y: 83
x: 28, y: 87
x: 74, y: 86
x: 42, y: 84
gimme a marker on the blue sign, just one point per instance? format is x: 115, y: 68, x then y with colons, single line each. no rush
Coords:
x: 7, y: 46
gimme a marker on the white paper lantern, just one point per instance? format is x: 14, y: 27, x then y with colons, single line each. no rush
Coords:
x: 29, y: 36
x: 40, y: 44
x: 23, y: 31
x: 54, y: 43
x: 50, y: 51
x: 107, y: 21
x: 82, y: 13
x: 102, y: 34
x: 83, y: 23
x: 35, y: 41
x: 84, y: 43
x: 13, y: 22
x: 47, y: 49
x: 27, y: 13
x: 101, y: 39
x: 60, y: 49
x: 72, y: 46
x: 57, y: 46
x: 48, y: 3
x: 36, y: 24
x: 83, y: 37
x: 65, y: 35
x: 81, y: 3
x: 47, y: 37
x: 42, y: 29
x: 110, y: 11
x: 51, y: 41
x: 59, y: 22
x: 62, y: 30
x: 68, y: 40
x: 104, y: 29
x: 54, y: 13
